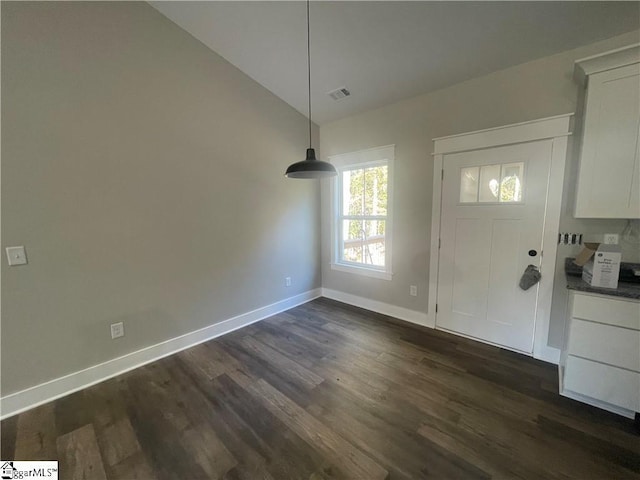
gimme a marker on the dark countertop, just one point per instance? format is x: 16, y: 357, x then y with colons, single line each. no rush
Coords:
x: 573, y: 274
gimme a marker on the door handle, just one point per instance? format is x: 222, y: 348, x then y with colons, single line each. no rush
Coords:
x: 530, y: 277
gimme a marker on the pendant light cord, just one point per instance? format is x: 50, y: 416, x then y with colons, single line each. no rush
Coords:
x: 309, y: 68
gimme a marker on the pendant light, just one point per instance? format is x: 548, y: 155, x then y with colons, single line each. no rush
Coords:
x: 310, y: 167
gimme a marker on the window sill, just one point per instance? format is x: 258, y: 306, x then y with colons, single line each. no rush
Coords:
x: 366, y: 272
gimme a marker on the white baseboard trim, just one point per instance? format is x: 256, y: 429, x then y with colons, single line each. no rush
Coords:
x: 547, y: 354
x: 45, y: 392
x: 596, y: 403
x: 413, y: 316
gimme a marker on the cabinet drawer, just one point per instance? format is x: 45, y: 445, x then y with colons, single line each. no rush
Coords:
x: 605, y: 310
x: 613, y: 345
x: 602, y: 382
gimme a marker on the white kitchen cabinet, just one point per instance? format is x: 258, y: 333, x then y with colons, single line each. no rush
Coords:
x: 611, y: 385
x: 609, y: 173
x: 600, y: 361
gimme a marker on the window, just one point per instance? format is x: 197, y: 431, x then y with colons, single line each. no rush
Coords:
x: 500, y: 183
x: 362, y: 212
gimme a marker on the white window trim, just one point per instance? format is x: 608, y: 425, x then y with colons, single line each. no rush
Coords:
x: 363, y: 158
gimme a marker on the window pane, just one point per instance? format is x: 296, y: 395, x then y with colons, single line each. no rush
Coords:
x: 511, y: 182
x: 352, y: 190
x: 489, y: 183
x: 364, y: 242
x: 374, y: 242
x: 375, y: 191
x: 469, y: 184
x: 352, y: 240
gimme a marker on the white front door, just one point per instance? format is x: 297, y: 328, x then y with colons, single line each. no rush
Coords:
x: 492, y: 220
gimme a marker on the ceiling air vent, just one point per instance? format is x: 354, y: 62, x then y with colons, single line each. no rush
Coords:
x: 339, y: 93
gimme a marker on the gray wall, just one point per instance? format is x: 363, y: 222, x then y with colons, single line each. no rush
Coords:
x: 536, y: 89
x: 144, y: 175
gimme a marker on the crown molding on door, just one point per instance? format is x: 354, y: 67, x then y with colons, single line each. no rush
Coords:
x: 530, y: 131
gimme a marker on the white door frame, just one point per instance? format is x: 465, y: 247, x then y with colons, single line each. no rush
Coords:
x: 556, y: 129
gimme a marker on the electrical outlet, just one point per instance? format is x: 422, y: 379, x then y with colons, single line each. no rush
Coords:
x: 16, y: 256
x: 611, y: 238
x: 413, y: 290
x: 287, y: 281
x: 117, y: 330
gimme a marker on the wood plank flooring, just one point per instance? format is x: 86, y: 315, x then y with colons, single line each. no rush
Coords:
x: 329, y: 391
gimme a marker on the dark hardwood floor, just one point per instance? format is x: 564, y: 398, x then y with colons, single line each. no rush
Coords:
x: 328, y: 391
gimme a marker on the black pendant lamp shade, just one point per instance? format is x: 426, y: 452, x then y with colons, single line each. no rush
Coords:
x: 310, y: 167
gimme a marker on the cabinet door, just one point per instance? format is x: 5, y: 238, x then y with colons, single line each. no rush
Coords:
x: 613, y: 385
x: 619, y: 347
x: 609, y: 176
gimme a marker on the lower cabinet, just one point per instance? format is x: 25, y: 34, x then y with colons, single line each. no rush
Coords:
x: 600, y: 362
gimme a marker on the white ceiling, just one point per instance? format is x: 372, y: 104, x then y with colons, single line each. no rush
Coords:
x: 389, y: 50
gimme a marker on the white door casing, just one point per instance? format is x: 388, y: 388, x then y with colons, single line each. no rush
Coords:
x: 555, y: 130
x: 485, y: 243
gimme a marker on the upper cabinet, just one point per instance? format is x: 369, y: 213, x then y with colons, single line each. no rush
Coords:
x: 609, y: 174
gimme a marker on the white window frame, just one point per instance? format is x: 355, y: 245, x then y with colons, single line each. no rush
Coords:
x: 362, y: 159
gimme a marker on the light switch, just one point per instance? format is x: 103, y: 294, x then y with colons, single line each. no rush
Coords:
x: 16, y: 256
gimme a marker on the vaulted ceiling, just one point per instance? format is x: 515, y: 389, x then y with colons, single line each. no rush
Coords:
x: 389, y: 50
